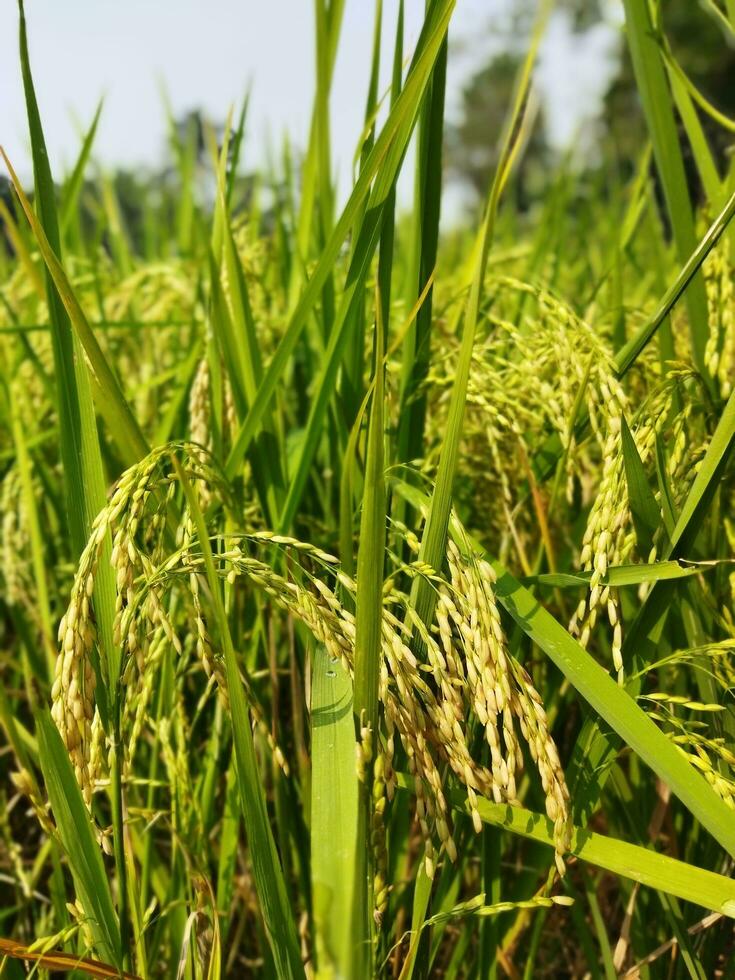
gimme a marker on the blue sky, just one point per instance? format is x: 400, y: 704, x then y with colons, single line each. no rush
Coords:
x: 207, y: 52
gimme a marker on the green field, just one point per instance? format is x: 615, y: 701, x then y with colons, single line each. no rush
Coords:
x: 366, y: 580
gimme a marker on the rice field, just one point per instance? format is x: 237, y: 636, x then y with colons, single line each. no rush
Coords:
x: 366, y: 586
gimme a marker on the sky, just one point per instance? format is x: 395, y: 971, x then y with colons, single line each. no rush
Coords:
x: 207, y: 53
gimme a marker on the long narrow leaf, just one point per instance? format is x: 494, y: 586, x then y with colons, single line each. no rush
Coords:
x: 382, y: 162
x: 657, y: 104
x: 267, y: 871
x: 368, y: 640
x: 128, y: 431
x: 333, y: 814
x: 78, y: 839
x: 611, y: 702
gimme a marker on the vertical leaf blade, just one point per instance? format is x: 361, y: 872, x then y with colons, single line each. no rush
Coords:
x: 78, y: 840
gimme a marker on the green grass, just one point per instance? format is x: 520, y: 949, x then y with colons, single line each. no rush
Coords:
x: 394, y: 564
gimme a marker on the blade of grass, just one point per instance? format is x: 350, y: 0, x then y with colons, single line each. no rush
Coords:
x: 675, y: 68
x: 611, y: 702
x: 327, y: 44
x: 385, y: 278
x: 625, y: 358
x: 387, y: 234
x: 668, y: 507
x: 115, y: 226
x: 352, y: 375
x: 547, y: 456
x: 655, y: 95
x: 599, y: 925
x: 227, y: 860
x: 426, y: 213
x: 333, y: 814
x: 368, y: 629
x: 622, y: 575
x: 128, y: 432
x: 78, y: 434
x: 595, y: 749
x: 24, y: 465
x: 380, y: 167
x: 433, y: 541
x: 705, y: 482
x: 643, y: 507
x: 84, y: 476
x: 720, y: 17
x: 243, y: 356
x: 78, y: 840
x: 73, y: 185
x: 268, y: 876
x: 708, y: 173
x: 349, y: 462
x: 236, y: 149
x: 184, y: 149
x: 421, y: 897
x: 666, y: 874
x: 369, y: 235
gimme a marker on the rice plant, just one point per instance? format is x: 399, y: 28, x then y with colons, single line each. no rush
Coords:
x: 367, y: 588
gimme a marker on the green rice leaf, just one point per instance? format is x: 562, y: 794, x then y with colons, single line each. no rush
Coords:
x: 644, y: 865
x: 623, y: 575
x: 267, y: 871
x: 421, y: 897
x: 706, y: 482
x: 78, y: 840
x: 127, y: 431
x: 713, y: 185
x: 333, y: 814
x: 368, y: 639
x: 643, y: 506
x: 433, y: 541
x: 426, y: 212
x: 611, y: 702
x: 376, y: 178
x: 710, y: 6
x: 704, y: 104
x: 73, y: 185
x: 34, y: 530
x: 595, y: 749
x: 654, y: 92
x: 626, y: 357
x: 667, y: 499
x: 649, y: 868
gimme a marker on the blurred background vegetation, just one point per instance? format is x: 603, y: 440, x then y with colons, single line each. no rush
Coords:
x: 606, y: 150
x: 704, y: 48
